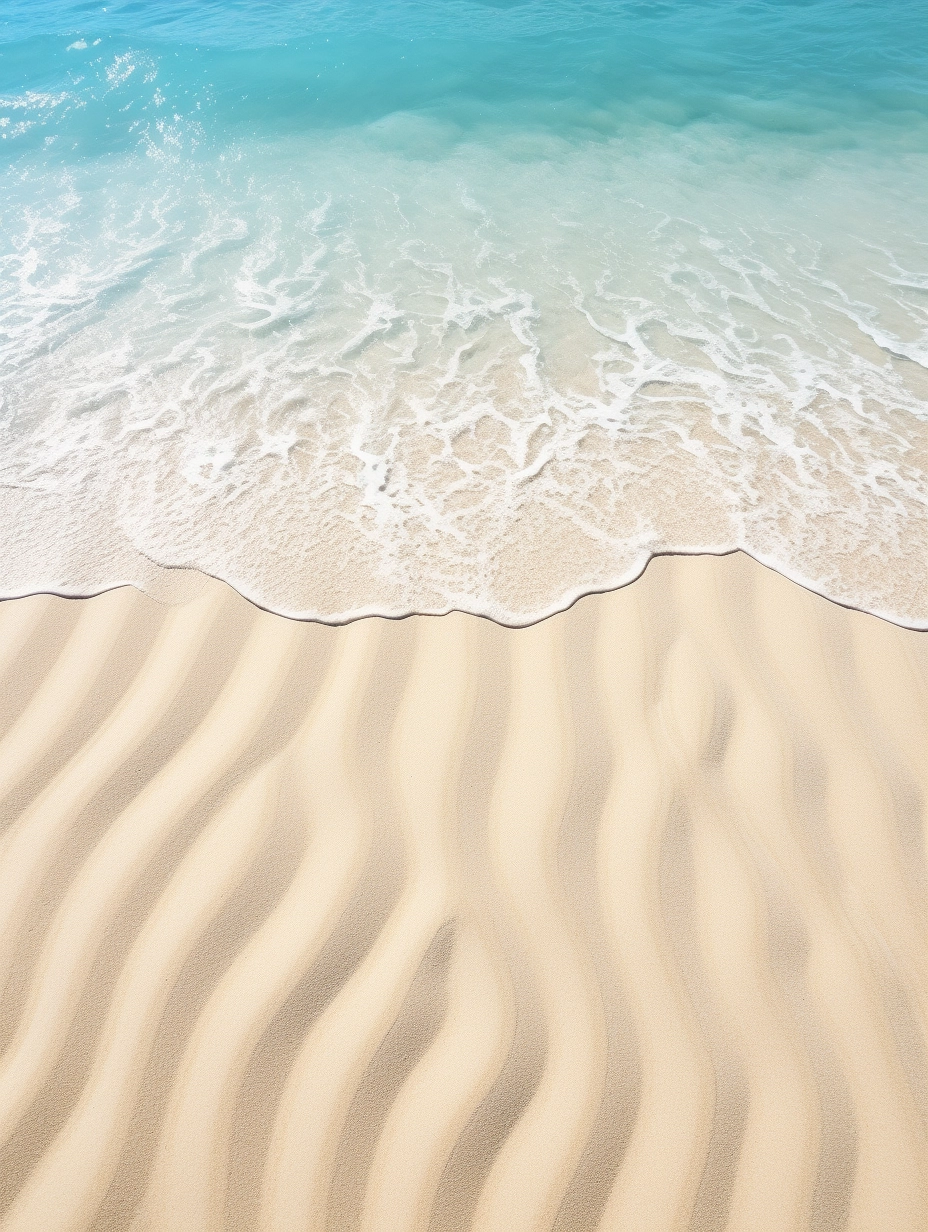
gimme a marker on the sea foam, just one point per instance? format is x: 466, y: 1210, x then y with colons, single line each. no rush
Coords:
x: 393, y: 307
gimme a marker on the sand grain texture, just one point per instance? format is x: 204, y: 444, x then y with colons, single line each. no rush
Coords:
x: 615, y: 922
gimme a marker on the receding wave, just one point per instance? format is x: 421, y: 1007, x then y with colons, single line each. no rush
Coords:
x: 391, y: 308
x: 612, y: 922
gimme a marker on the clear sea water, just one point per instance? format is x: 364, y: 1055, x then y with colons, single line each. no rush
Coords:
x: 408, y: 305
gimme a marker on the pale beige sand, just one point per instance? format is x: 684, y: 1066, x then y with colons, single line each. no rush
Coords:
x: 615, y: 922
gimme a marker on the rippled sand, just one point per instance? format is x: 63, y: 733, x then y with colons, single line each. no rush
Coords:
x: 616, y: 922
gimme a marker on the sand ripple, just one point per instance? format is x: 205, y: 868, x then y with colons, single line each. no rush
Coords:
x: 614, y: 922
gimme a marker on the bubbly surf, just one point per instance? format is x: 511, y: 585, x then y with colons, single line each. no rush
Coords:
x: 381, y: 307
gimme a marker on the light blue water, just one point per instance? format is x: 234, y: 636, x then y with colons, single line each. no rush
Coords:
x: 386, y: 306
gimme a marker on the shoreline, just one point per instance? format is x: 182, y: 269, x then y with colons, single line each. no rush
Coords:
x: 571, y: 598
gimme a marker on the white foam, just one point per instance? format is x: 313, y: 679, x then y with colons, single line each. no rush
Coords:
x: 349, y: 381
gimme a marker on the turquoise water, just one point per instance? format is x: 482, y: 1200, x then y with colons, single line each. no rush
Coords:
x: 382, y: 307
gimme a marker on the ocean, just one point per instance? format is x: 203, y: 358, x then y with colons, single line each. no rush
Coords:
x: 391, y: 306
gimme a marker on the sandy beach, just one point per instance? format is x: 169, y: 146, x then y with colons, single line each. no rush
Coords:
x: 615, y: 922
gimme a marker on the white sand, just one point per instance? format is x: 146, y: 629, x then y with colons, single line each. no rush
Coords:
x: 614, y: 922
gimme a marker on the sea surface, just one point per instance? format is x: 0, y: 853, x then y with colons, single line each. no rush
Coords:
x: 380, y: 306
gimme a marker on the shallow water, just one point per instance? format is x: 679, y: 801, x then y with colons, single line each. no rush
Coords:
x: 381, y: 307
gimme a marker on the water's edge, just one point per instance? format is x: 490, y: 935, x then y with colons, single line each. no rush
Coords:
x: 567, y: 601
